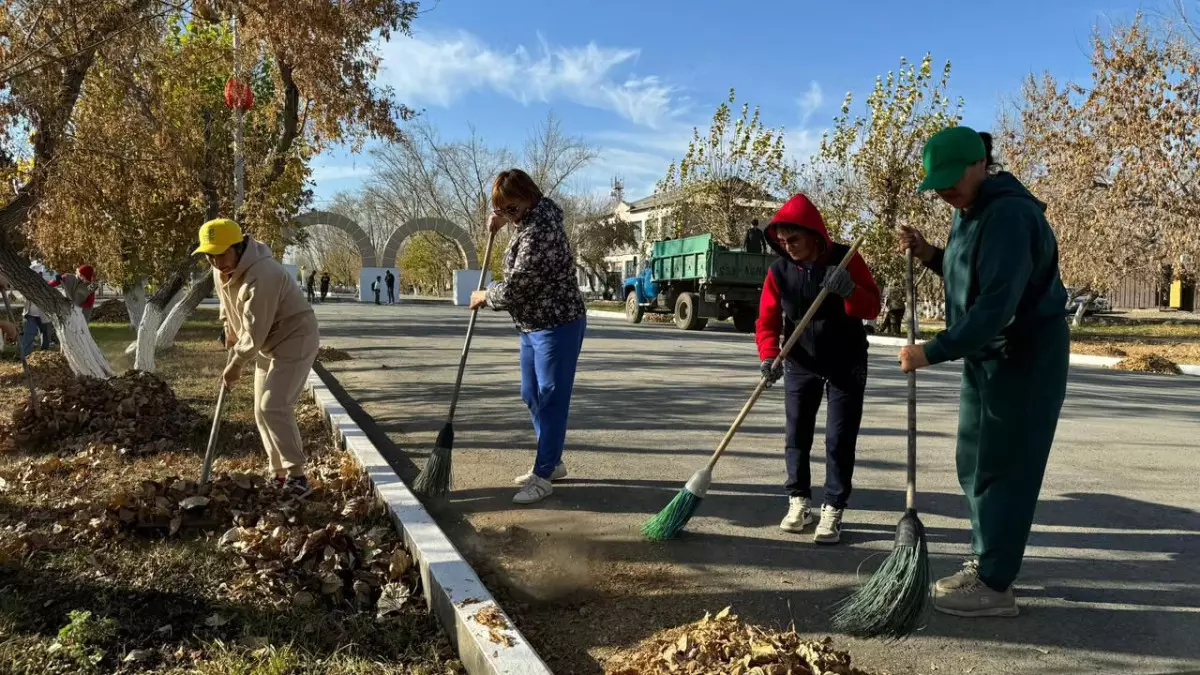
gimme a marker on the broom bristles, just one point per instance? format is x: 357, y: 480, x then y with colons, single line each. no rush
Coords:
x: 434, y: 479
x: 669, y: 522
x: 896, y: 600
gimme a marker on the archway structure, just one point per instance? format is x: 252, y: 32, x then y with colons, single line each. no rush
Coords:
x: 361, y: 240
x: 440, y: 225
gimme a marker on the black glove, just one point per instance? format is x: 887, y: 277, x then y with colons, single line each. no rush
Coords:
x: 770, y: 372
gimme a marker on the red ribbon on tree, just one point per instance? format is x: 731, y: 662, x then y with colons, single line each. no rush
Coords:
x: 238, y: 95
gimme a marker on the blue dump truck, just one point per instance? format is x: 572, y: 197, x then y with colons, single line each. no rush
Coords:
x: 697, y: 279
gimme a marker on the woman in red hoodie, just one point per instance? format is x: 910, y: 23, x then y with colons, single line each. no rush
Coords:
x: 829, y: 358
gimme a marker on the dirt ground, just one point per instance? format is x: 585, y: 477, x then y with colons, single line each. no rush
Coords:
x: 116, y: 561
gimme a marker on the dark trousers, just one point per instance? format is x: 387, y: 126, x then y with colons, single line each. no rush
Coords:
x: 391, y: 295
x: 892, y: 321
x: 1007, y: 417
x: 377, y: 296
x: 845, y: 393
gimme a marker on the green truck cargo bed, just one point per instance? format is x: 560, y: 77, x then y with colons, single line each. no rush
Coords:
x: 701, y: 258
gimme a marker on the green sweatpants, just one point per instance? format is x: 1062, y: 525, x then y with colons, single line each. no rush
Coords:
x: 1008, y: 413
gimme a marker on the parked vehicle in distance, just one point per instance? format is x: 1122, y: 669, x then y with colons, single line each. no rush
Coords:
x: 1100, y: 304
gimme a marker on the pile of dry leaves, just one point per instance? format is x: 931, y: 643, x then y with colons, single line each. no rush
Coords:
x: 329, y: 549
x: 1149, y: 363
x: 723, y: 644
x: 49, y: 369
x: 111, y: 311
x: 136, y: 411
x: 332, y: 354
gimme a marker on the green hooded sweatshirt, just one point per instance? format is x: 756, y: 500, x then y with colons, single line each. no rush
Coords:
x: 1000, y: 268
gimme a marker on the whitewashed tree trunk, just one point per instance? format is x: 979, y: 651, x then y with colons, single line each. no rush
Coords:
x: 147, y: 334
x: 81, y: 351
x: 135, y: 302
x: 200, y: 288
x: 1081, y: 310
x: 135, y: 346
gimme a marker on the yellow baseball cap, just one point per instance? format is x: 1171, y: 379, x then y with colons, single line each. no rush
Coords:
x: 216, y: 236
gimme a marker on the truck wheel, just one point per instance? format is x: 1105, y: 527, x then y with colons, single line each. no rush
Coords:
x: 744, y: 322
x: 685, y: 313
x: 633, y: 311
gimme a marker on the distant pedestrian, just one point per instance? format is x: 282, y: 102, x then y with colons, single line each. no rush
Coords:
x: 324, y: 286
x: 390, y: 280
x: 894, y: 302
x: 310, y: 286
x: 375, y: 288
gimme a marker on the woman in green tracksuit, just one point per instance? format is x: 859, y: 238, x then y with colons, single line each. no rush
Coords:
x: 1005, y: 305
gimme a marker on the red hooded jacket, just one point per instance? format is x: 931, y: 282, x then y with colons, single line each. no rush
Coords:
x: 794, y: 280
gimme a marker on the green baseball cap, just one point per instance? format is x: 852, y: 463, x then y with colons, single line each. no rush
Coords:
x: 947, y: 154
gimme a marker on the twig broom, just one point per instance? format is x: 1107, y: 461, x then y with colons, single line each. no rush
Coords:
x: 434, y: 479
x: 895, y: 601
x: 669, y: 522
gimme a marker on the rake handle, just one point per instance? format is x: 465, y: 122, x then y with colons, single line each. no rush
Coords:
x: 910, y: 495
x: 210, y: 453
x: 783, y: 353
x: 462, y: 360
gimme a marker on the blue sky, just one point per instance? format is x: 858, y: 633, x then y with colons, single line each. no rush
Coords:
x: 634, y: 77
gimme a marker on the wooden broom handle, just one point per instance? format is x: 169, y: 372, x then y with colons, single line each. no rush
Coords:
x: 783, y: 353
x: 462, y: 360
x: 910, y: 496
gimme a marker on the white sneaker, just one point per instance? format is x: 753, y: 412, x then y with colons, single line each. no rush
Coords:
x: 829, y: 530
x: 798, y: 517
x: 559, y: 473
x: 535, y: 490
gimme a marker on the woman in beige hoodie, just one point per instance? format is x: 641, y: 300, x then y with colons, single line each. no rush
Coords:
x: 269, y: 324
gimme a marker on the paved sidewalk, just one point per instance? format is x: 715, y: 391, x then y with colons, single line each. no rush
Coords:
x: 1111, y: 584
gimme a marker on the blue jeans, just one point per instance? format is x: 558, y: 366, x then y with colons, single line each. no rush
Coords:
x: 29, y: 334
x: 548, y: 362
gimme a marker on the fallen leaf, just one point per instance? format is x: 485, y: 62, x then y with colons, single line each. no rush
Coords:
x: 392, y: 599
x: 304, y: 599
x: 216, y: 621
x: 139, y: 655
x: 176, y: 523
x: 194, y: 502
x: 398, y: 564
x: 231, y: 536
x: 723, y: 613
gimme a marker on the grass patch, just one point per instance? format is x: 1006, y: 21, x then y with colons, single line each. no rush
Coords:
x: 113, y: 562
x: 606, y: 306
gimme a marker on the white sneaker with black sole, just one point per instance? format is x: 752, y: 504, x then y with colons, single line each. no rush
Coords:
x: 798, y: 517
x: 535, y: 490
x: 559, y: 473
x: 829, y: 530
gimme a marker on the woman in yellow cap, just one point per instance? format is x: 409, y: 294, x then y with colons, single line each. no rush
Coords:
x: 268, y: 323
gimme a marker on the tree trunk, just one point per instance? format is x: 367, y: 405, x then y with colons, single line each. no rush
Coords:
x: 1081, y: 310
x: 200, y: 288
x: 144, y: 347
x: 135, y: 302
x: 82, y: 352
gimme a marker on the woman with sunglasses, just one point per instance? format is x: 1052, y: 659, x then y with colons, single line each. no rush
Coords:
x: 268, y: 323
x: 542, y: 294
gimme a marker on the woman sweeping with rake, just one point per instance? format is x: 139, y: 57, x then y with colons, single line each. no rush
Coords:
x: 541, y: 293
x: 1004, y: 317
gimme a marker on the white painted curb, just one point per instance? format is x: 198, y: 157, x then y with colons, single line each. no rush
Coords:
x: 451, y: 587
x: 1085, y: 360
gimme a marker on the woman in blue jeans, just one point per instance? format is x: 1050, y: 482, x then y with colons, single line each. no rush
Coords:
x: 541, y: 293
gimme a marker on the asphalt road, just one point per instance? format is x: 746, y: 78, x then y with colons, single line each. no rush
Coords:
x: 1111, y: 581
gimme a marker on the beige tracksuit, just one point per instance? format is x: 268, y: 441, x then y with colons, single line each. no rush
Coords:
x: 275, y: 328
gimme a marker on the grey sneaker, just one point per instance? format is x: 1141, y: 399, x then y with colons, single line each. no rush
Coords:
x: 559, y: 473
x: 799, y: 515
x: 968, y: 574
x: 535, y: 490
x: 974, y: 599
x: 829, y: 530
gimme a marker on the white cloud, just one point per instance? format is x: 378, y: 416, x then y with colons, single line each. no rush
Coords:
x: 439, y: 69
x: 332, y: 172
x: 810, y: 101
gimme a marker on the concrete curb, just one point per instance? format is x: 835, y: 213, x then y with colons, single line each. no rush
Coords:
x: 1085, y: 360
x: 451, y: 587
